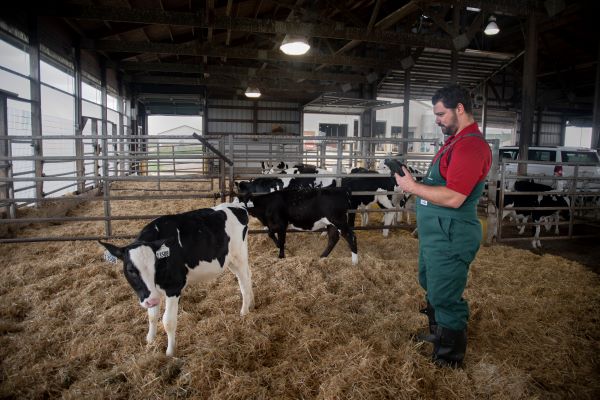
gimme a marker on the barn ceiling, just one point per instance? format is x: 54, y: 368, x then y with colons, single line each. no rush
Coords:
x: 359, y: 47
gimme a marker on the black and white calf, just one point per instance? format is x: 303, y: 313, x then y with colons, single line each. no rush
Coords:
x: 259, y: 185
x: 550, y: 209
x: 377, y: 183
x: 523, y: 201
x: 304, y: 181
x: 307, y: 209
x: 269, y: 168
x: 272, y: 183
x: 174, y: 250
x: 279, y: 168
x: 400, y: 199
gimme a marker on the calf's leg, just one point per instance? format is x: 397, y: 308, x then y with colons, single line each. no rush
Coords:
x: 241, y: 268
x: 278, y: 236
x: 153, y: 313
x: 536, y: 237
x: 351, y: 217
x: 388, y: 219
x: 273, y: 237
x: 348, y: 235
x: 522, y: 228
x: 170, y: 322
x: 364, y: 215
x: 334, y: 236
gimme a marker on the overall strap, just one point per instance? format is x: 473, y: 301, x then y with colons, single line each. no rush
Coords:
x: 459, y: 139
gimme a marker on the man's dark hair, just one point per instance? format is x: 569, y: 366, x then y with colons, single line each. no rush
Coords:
x: 451, y: 95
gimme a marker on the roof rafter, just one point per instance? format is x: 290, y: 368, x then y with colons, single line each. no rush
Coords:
x: 240, y: 72
x: 235, y: 83
x: 195, y: 49
x: 251, y: 25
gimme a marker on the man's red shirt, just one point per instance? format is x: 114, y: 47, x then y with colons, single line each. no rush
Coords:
x: 467, y: 162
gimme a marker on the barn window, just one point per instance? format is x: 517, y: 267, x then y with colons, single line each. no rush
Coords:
x: 380, y: 133
x: 334, y: 130
x: 396, y: 132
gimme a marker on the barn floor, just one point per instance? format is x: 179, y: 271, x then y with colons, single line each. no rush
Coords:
x: 71, y: 327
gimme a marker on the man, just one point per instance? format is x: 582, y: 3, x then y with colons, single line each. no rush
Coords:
x: 449, y: 230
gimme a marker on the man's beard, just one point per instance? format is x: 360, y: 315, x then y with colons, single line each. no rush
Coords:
x: 448, y: 130
x: 451, y: 128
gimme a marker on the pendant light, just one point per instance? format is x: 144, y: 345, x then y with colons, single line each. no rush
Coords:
x: 492, y: 27
x: 294, y: 45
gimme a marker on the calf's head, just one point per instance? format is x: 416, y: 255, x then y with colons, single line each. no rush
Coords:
x: 243, y: 187
x: 139, y: 267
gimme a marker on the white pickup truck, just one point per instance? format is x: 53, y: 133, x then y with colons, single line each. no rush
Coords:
x: 558, y: 161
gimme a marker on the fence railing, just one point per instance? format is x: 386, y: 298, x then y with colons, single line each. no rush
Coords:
x: 116, y: 169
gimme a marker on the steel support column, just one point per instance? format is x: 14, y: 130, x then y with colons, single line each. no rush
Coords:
x: 529, y: 87
x: 454, y: 55
x: 484, y: 109
x: 105, y: 179
x: 7, y: 188
x: 406, y: 111
x: 36, y: 105
x: 79, y: 121
x: 538, y: 126
x: 596, y: 114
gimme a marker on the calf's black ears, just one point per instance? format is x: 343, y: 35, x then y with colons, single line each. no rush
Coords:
x: 157, y: 244
x: 112, y: 249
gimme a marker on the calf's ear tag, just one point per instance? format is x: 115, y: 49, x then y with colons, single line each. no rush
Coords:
x: 163, y: 252
x: 109, y: 257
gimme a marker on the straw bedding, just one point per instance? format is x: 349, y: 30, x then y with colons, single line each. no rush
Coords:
x: 70, y: 325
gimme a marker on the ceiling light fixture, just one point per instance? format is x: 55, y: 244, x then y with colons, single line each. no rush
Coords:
x: 252, y: 92
x: 492, y: 27
x: 294, y: 45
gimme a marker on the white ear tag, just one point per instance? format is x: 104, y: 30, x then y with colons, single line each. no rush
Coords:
x: 109, y: 257
x: 163, y: 252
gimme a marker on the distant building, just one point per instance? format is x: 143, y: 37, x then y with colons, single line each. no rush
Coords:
x: 176, y: 152
x: 183, y: 130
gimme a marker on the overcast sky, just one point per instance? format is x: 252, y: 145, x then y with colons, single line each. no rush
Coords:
x: 161, y: 123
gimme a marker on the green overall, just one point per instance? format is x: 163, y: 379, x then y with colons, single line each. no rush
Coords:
x: 449, y: 239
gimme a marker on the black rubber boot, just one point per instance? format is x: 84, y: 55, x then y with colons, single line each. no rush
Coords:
x: 449, y: 347
x: 428, y: 336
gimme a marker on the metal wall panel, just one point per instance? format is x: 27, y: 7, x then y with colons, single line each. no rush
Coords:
x: 550, y: 131
x: 250, y: 117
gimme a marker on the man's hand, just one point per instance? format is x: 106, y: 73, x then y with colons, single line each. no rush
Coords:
x: 394, y: 165
x: 405, y: 180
